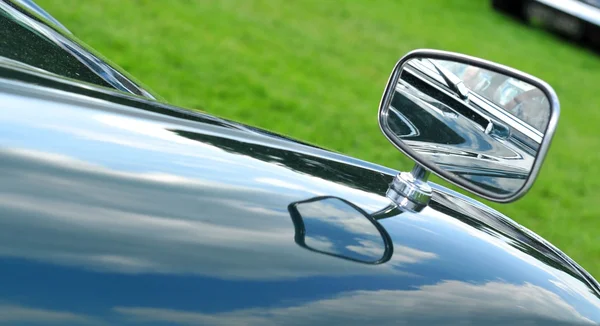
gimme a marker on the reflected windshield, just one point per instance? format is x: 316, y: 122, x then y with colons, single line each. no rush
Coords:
x: 517, y: 97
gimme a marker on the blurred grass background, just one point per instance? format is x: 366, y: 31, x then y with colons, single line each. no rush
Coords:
x: 315, y: 70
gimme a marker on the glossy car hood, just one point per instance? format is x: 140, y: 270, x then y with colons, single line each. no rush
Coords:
x: 120, y: 210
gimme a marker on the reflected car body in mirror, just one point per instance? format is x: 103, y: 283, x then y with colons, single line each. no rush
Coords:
x: 457, y: 144
x: 476, y: 124
x: 460, y: 143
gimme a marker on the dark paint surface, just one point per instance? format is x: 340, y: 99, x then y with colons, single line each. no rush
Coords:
x: 143, y: 213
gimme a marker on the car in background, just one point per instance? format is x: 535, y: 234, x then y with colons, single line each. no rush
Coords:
x: 577, y: 20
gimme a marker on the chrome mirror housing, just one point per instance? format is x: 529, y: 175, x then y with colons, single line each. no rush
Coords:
x: 477, y: 124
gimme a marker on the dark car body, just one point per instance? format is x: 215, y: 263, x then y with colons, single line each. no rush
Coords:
x: 118, y: 209
x: 578, y: 20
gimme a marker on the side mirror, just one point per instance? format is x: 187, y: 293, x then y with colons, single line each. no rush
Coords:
x: 335, y: 227
x: 477, y: 124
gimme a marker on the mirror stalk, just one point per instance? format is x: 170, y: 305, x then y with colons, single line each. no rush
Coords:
x: 410, y: 190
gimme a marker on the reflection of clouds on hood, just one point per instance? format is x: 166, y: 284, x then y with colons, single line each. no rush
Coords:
x: 12, y: 314
x: 560, y: 278
x: 338, y: 214
x: 147, y: 142
x: 320, y: 243
x: 152, y: 222
x: 406, y: 255
x: 367, y: 248
x: 446, y: 303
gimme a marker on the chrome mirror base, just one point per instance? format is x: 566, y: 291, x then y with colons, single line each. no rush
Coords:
x: 410, y: 190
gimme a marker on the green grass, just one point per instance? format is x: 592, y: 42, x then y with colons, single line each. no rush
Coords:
x: 315, y: 70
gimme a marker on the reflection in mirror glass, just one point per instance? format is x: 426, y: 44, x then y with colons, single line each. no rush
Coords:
x: 524, y: 101
x: 481, y: 126
x: 331, y: 226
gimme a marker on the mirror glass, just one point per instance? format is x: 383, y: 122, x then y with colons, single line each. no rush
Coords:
x: 334, y: 227
x: 482, y: 128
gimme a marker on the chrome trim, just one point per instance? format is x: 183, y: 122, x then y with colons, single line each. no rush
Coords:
x: 444, y: 55
x: 33, y: 7
x: 410, y: 190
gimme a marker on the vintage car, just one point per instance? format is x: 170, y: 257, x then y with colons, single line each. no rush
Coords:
x: 119, y: 209
x: 578, y: 20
